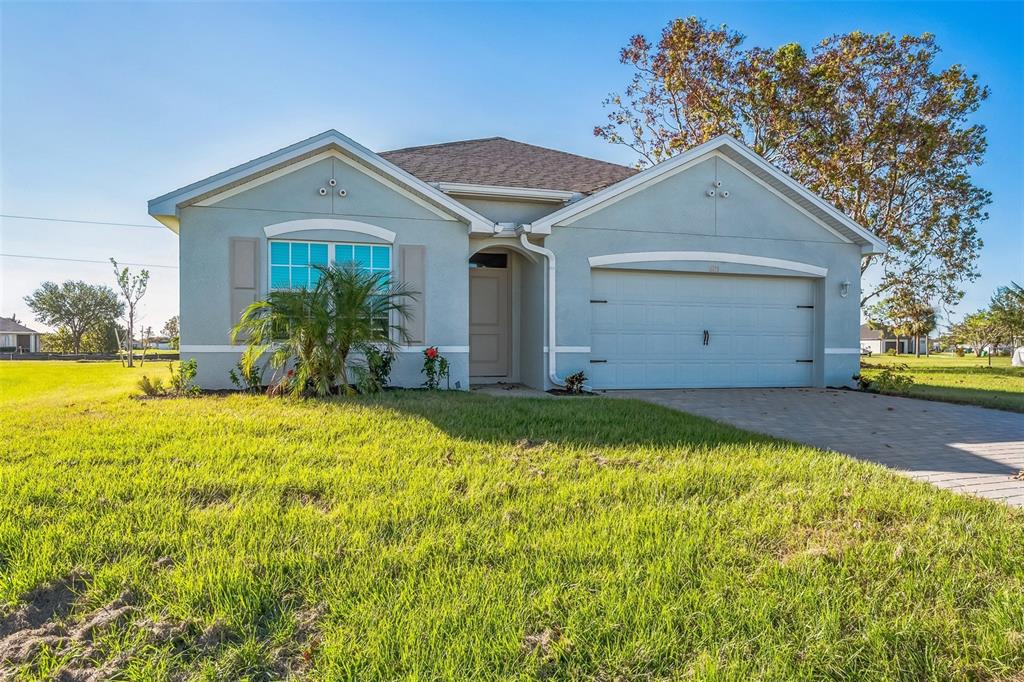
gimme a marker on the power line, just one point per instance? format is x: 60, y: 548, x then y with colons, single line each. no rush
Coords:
x: 87, y: 260
x: 79, y: 221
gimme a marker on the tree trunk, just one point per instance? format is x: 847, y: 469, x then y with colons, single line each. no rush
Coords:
x: 897, y: 344
x: 130, y: 340
x: 917, y: 346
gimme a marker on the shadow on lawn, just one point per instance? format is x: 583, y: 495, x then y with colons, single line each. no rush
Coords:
x: 582, y: 422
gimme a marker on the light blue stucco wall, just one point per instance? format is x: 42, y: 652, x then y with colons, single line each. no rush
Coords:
x: 672, y: 215
x: 206, y: 233
x: 677, y: 215
x: 508, y: 210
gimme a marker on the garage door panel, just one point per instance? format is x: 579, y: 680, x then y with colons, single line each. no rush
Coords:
x: 650, y: 332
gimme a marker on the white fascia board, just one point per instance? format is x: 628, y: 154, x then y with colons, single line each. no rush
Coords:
x: 502, y: 192
x: 169, y: 203
x: 168, y: 221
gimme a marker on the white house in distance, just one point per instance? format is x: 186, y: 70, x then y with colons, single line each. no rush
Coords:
x: 878, y: 341
x: 17, y: 338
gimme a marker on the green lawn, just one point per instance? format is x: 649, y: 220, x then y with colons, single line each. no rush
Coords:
x: 959, y: 380
x: 454, y: 536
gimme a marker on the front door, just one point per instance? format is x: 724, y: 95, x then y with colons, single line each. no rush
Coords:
x: 490, y: 322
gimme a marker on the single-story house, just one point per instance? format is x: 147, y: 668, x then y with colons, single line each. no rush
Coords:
x: 879, y: 341
x: 710, y: 269
x: 17, y: 338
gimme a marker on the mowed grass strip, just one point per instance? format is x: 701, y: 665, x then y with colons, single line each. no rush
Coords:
x: 452, y: 536
x: 968, y: 380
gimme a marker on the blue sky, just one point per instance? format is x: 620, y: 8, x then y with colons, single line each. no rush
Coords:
x: 105, y: 106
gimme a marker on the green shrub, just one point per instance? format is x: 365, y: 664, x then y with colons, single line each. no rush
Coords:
x: 574, y: 382
x: 892, y: 352
x: 152, y: 387
x: 435, y: 368
x: 374, y: 377
x: 183, y: 380
x: 893, y: 379
x: 249, y: 380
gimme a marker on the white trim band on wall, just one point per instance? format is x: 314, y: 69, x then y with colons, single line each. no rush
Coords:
x: 335, y: 224
x: 713, y: 256
x: 842, y: 351
x: 227, y: 348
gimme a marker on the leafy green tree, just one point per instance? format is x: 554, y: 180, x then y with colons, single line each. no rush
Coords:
x: 869, y: 122
x: 1007, y: 309
x: 74, y: 307
x: 978, y: 330
x: 317, y: 330
x: 919, y: 319
x: 103, y: 338
x: 172, y: 331
x: 57, y: 342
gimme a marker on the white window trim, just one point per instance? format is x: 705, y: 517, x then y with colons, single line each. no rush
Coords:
x: 712, y: 256
x: 277, y: 229
x: 330, y: 257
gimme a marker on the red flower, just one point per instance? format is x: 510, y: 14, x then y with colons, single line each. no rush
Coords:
x: 291, y: 372
x: 431, y: 352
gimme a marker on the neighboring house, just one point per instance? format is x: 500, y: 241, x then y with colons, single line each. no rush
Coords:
x: 711, y: 269
x: 879, y: 341
x: 153, y: 343
x: 17, y: 338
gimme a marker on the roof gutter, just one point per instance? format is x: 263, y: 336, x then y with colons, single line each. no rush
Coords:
x: 466, y: 189
x: 552, y: 336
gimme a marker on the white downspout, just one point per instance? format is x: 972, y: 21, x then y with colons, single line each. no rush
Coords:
x: 550, y: 256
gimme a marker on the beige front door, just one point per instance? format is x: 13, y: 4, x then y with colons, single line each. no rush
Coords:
x: 490, y: 322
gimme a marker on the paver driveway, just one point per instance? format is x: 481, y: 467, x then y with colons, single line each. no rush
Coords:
x: 963, y: 448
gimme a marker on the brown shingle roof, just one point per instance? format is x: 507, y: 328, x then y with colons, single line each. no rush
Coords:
x: 507, y: 163
x: 9, y: 326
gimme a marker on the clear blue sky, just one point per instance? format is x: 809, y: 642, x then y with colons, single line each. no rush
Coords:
x: 105, y: 106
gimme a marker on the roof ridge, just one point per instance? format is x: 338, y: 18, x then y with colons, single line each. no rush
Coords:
x: 506, y: 139
x: 445, y: 144
x: 562, y: 151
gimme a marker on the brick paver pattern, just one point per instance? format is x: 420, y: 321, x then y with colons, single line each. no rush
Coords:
x: 967, y: 449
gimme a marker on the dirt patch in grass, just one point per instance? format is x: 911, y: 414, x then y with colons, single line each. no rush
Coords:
x: 308, y: 497
x: 542, y: 642
x: 52, y: 601
x: 41, y: 623
x: 294, y: 659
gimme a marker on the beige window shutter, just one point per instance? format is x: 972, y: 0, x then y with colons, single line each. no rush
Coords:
x: 245, y: 255
x: 413, y: 273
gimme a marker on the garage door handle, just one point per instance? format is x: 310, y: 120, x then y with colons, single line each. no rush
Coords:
x: 707, y: 337
x: 597, y: 362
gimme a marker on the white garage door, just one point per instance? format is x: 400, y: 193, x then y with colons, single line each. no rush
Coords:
x: 648, y: 330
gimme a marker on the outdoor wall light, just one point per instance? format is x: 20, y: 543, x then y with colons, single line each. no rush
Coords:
x: 844, y: 288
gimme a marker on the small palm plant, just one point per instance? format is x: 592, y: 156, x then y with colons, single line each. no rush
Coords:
x: 316, y: 330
